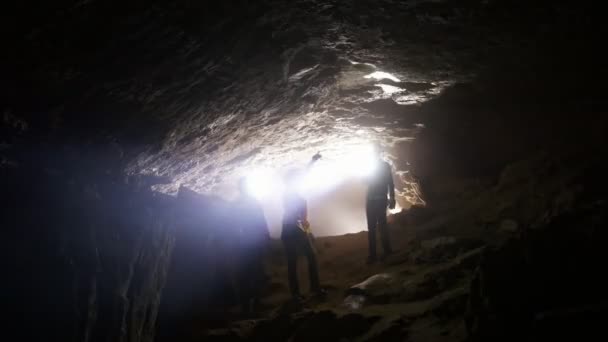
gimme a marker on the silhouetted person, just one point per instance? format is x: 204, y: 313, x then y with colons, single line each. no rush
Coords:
x: 380, y: 195
x: 295, y: 236
x: 253, y: 242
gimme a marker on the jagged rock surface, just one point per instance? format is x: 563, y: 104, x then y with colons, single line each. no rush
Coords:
x: 537, y: 279
x: 91, y: 259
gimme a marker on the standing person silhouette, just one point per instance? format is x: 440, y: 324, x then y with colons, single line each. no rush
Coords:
x: 380, y: 195
x: 295, y: 234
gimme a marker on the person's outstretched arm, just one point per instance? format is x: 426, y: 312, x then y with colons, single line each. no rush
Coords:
x: 304, y: 208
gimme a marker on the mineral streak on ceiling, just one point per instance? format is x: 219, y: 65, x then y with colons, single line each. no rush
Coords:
x: 303, y: 77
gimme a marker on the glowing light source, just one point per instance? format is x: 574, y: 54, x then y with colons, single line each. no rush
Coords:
x: 319, y: 178
x: 357, y: 161
x: 360, y: 163
x: 261, y: 183
x: 381, y: 75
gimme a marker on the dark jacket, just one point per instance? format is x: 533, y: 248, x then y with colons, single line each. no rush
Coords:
x: 294, y: 210
x: 381, y: 185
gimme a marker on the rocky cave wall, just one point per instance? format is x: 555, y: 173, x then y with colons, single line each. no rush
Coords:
x: 88, y: 256
x: 89, y: 249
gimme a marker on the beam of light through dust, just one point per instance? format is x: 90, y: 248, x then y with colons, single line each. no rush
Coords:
x: 346, y: 166
x: 262, y: 183
x: 356, y: 161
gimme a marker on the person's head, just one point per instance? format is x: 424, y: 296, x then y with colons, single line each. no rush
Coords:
x: 376, y: 150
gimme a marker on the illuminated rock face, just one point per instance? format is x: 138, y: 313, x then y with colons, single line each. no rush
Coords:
x: 286, y: 91
x: 221, y: 91
x: 203, y: 94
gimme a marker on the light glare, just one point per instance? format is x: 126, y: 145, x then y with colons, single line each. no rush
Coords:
x: 356, y: 162
x: 359, y: 162
x: 261, y: 183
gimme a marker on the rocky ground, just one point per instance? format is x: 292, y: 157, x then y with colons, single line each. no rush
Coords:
x: 514, y: 261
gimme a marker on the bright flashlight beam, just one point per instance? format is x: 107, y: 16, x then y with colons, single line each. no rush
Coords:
x: 356, y: 162
x: 361, y: 163
x: 320, y: 177
x: 261, y: 183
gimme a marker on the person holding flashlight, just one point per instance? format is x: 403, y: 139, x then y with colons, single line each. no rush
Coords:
x: 295, y: 234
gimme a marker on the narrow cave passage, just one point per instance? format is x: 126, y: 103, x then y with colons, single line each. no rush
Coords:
x: 126, y: 130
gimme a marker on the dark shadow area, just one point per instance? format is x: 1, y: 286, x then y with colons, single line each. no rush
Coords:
x: 87, y: 251
x: 201, y: 283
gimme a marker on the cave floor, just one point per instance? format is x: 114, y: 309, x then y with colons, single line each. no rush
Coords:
x: 426, y: 282
x: 426, y: 291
